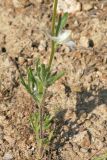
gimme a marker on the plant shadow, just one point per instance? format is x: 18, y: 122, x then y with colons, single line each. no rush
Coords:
x: 86, y: 103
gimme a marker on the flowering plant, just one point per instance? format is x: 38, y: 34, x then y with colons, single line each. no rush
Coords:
x: 40, y: 78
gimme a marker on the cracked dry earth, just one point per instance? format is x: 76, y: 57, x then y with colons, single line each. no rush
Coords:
x: 78, y: 100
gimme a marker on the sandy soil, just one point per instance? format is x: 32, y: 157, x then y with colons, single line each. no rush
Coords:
x: 78, y: 101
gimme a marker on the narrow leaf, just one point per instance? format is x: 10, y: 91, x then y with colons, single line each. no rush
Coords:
x: 54, y: 78
x: 24, y: 84
x: 58, y: 26
x: 61, y: 23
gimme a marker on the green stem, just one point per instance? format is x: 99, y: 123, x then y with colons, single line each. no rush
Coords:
x: 41, y: 112
x: 53, y: 32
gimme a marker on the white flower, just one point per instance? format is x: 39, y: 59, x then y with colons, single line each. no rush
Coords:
x: 63, y: 38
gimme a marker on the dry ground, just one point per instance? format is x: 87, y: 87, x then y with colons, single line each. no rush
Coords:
x: 78, y: 100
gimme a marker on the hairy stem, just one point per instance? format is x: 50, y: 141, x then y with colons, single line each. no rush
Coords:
x: 41, y: 112
x: 53, y: 33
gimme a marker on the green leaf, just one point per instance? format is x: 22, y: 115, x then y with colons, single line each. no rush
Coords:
x: 61, y: 23
x: 32, y: 124
x: 34, y: 120
x: 23, y: 81
x: 31, y: 80
x: 25, y: 84
x: 48, y: 73
x: 58, y: 26
x: 40, y: 87
x: 50, y: 135
x: 40, y: 141
x: 43, y: 72
x: 46, y: 141
x: 37, y: 63
x: 54, y: 78
x: 64, y: 20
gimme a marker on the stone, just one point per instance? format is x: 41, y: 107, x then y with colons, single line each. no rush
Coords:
x: 20, y: 3
x: 7, y: 156
x: 71, y: 6
x: 30, y: 62
x: 75, y: 147
x: 88, y: 123
x: 82, y: 139
x: 17, y: 3
x: 1, y: 141
x: 97, y: 143
x: 67, y: 49
x: 35, y: 2
x: 42, y: 45
x: 70, y: 114
x: 10, y: 140
x: 76, y: 23
x: 68, y: 153
x: 21, y: 60
x: 87, y: 6
x: 66, y: 128
x: 84, y: 150
x: 84, y: 42
x: 2, y: 119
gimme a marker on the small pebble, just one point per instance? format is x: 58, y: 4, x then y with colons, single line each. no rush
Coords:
x: 17, y: 3
x: 29, y: 62
x: 84, y: 42
x: 21, y: 60
x: 42, y: 45
x: 8, y: 156
x: 71, y: 6
x: 84, y: 150
x: 87, y: 6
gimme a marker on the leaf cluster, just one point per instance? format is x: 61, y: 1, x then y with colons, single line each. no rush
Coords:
x: 39, y: 79
x: 47, y: 131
